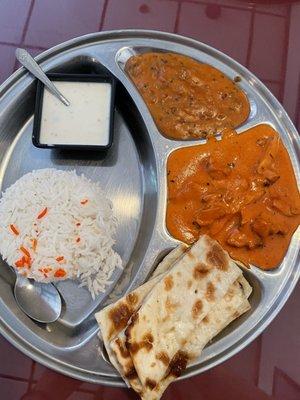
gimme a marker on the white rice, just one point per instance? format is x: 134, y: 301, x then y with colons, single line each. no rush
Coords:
x: 78, y: 225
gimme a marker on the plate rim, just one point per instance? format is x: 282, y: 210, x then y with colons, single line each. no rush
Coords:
x: 99, y: 37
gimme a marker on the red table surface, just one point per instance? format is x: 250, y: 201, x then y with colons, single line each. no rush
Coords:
x: 262, y: 35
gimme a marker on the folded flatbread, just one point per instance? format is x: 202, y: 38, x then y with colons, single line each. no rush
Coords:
x: 233, y: 305
x: 175, y: 306
x: 179, y: 312
x: 114, y: 318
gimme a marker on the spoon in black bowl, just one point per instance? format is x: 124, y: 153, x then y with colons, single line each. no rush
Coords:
x: 29, y: 63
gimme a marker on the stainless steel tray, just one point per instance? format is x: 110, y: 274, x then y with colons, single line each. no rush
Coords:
x: 134, y: 177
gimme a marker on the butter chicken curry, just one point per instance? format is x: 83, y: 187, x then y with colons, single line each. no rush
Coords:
x: 240, y: 190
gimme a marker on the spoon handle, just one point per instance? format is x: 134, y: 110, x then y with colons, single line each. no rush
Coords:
x: 28, y: 62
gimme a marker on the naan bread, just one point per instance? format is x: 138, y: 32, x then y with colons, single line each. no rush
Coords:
x: 114, y: 318
x: 175, y: 306
x: 233, y: 305
x: 229, y: 307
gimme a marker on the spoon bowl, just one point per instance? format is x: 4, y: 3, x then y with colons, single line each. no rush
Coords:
x: 40, y: 301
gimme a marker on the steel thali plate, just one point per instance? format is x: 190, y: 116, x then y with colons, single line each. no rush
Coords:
x: 134, y: 177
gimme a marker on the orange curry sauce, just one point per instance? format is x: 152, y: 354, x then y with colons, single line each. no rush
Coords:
x: 187, y: 99
x: 241, y: 190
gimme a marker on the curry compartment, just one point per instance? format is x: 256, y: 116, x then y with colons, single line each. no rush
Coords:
x: 248, y: 201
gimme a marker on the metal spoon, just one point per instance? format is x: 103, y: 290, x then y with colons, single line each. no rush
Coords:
x: 40, y: 301
x: 28, y: 62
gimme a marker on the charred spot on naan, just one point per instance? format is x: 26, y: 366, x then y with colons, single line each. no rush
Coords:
x: 132, y: 347
x: 206, y: 319
x: 150, y: 383
x: 146, y: 343
x: 127, y: 332
x: 200, y: 270
x: 178, y: 363
x: 210, y: 292
x: 170, y: 306
x: 168, y: 281
x: 119, y: 317
x: 196, y: 309
x: 189, y: 284
x: 131, y: 373
x: 163, y: 357
x: 132, y: 298
x: 134, y: 318
x: 190, y: 254
x: 122, y: 348
x: 216, y: 256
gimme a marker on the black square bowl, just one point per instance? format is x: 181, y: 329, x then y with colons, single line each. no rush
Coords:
x: 103, y: 77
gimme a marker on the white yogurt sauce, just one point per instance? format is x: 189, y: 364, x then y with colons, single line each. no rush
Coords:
x: 84, y: 122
